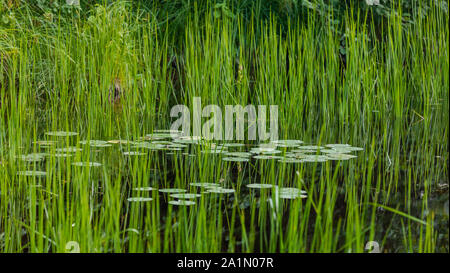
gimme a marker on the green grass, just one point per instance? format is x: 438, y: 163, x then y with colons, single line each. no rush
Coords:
x: 384, y: 87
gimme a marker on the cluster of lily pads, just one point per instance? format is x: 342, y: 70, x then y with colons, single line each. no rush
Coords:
x: 283, y: 151
x: 180, y: 197
x: 292, y: 151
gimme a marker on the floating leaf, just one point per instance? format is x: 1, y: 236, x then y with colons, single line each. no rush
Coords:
x: 60, y: 155
x: 185, y: 195
x: 45, y: 142
x: 287, y: 142
x: 267, y: 157
x: 61, y: 133
x: 220, y: 190
x: 204, y: 184
x: 337, y: 145
x: 290, y: 160
x: 233, y: 145
x: 32, y: 173
x: 315, y: 158
x: 259, y: 186
x: 310, y: 147
x: 172, y: 190
x: 144, y: 189
x: 34, y: 157
x: 182, y: 202
x: 68, y: 150
x: 131, y: 153
x: 139, y: 199
x: 340, y: 156
x: 236, y: 159
x: 95, y: 143
x: 238, y: 154
x: 291, y: 193
x: 87, y: 164
x: 121, y: 141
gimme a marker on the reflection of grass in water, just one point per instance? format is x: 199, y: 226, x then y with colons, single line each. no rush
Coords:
x: 388, y: 95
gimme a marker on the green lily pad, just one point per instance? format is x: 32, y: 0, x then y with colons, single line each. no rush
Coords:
x: 204, y: 184
x: 172, y: 190
x: 310, y: 147
x: 259, y: 186
x: 287, y: 142
x: 340, y: 156
x: 121, y: 141
x: 238, y: 154
x: 139, y: 199
x: 185, y: 195
x: 87, y: 164
x: 220, y: 190
x: 290, y: 160
x: 233, y: 145
x: 96, y: 143
x: 337, y: 145
x: 181, y: 202
x: 144, y: 189
x: 45, y: 142
x: 168, y: 131
x: 267, y: 157
x: 68, y: 150
x: 236, y: 159
x: 61, y: 133
x: 59, y: 155
x: 131, y: 153
x: 291, y: 193
x: 147, y: 145
x: 32, y: 173
x: 158, y: 136
x: 34, y: 157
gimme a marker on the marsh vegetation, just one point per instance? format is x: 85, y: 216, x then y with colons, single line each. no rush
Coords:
x: 87, y: 154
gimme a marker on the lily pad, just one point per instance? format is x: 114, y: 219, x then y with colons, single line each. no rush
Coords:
x: 45, y: 142
x: 204, y: 184
x: 158, y: 136
x: 220, y: 190
x: 267, y: 157
x: 290, y: 160
x: 96, y: 143
x: 261, y: 150
x: 291, y: 193
x: 238, y: 154
x: 337, y: 145
x: 61, y: 133
x: 185, y: 195
x: 310, y: 147
x: 287, y: 142
x: 144, y: 189
x: 87, y: 164
x: 34, y: 157
x: 340, y: 156
x: 32, y: 173
x: 315, y: 158
x: 233, y: 145
x: 68, y: 150
x: 131, y: 153
x: 139, y: 199
x: 236, y: 159
x: 259, y: 186
x: 147, y: 145
x: 59, y: 155
x: 172, y: 190
x: 121, y: 141
x: 181, y: 202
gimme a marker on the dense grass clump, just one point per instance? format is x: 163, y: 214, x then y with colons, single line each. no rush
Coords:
x: 84, y: 91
